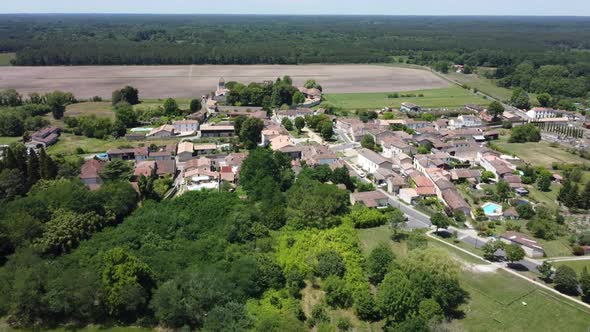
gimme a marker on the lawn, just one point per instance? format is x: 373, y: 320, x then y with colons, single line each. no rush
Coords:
x: 9, y: 140
x: 483, y: 84
x: 496, y: 298
x: 452, y: 97
x: 578, y: 266
x: 539, y: 153
x: 68, y: 143
x: 5, y: 58
x: 497, y: 304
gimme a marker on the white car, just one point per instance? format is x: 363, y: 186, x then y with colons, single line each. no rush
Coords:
x: 362, y: 174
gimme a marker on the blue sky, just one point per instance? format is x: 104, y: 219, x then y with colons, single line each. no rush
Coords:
x: 380, y: 7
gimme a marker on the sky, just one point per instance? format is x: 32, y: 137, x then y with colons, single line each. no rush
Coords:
x: 306, y: 7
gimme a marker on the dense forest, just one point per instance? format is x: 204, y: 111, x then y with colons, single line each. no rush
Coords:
x: 525, y: 50
x: 214, y: 261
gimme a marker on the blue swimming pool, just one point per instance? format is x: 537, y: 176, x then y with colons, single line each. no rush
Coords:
x: 492, y: 208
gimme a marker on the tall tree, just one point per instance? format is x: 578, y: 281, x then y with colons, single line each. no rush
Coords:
x: 496, y: 109
x: 250, y: 132
x: 33, y: 174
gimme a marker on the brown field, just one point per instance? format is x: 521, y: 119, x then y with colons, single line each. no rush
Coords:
x: 191, y: 81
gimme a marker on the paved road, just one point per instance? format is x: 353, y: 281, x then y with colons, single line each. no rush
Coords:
x: 348, y: 143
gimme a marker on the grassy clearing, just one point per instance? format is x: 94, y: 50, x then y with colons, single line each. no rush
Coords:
x: 183, y: 103
x: 100, y: 109
x: 483, y: 84
x: 5, y: 58
x: 578, y: 266
x: 452, y: 97
x: 497, y: 305
x: 539, y: 153
x: 68, y: 143
x: 9, y: 140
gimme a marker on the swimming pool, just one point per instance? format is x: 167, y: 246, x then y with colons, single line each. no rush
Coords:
x: 492, y: 209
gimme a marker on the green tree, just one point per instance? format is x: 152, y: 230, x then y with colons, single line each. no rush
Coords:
x: 566, y: 280
x: 128, y: 94
x: 514, y: 252
x: 525, y: 133
x: 397, y: 298
x: 12, y: 184
x: 379, y: 263
x: 489, y: 249
x: 116, y: 170
x: 544, y: 181
x: 66, y: 229
x: 326, y: 130
x: 546, y: 270
x: 229, y: 317
x: 250, y: 132
x: 585, y: 285
x: 503, y: 190
x: 298, y: 98
x: 171, y: 107
x: 440, y: 221
x: 520, y: 99
x: 58, y: 101
x: 487, y: 176
x: 525, y: 211
x: 126, y: 115
x: 33, y: 174
x: 365, y: 306
x: 195, y: 105
x: 545, y: 99
x: 330, y: 263
x: 495, y: 109
x: 368, y: 142
x: 337, y: 293
x: 430, y: 311
x: 299, y: 123
x: 127, y: 283
x: 287, y: 124
x: 47, y: 167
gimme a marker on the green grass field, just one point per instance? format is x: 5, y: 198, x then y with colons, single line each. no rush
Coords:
x: 100, y: 109
x: 451, y: 97
x: 578, y: 266
x: 68, y: 143
x: 496, y: 298
x: 483, y: 84
x: 539, y: 153
x: 496, y: 304
x: 8, y: 140
x: 5, y: 58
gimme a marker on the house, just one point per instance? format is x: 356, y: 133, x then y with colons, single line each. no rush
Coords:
x: 185, y: 151
x: 511, y: 213
x: 510, y: 117
x: 166, y: 168
x: 89, y: 173
x: 410, y: 107
x: 211, y: 105
x: 521, y: 192
x: 293, y: 114
x: 537, y: 113
x: 492, y: 162
x: 186, y: 126
x: 371, y: 161
x: 465, y: 121
x: 459, y: 174
x: 208, y: 130
x: 317, y: 154
x: 162, y: 131
x: 408, y: 195
x: 281, y: 141
x: 227, y: 174
x: 45, y: 137
x: 531, y: 247
x: 137, y: 154
x: 370, y: 199
x: 453, y: 200
x: 313, y: 96
x: 393, y: 146
x: 144, y: 168
x: 395, y: 183
x: 201, y: 163
x: 201, y: 149
x: 417, y: 125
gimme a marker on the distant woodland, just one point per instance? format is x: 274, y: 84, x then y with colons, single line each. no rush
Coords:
x: 520, y: 48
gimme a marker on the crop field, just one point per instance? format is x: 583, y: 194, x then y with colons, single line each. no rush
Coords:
x: 193, y: 81
x: 451, y: 97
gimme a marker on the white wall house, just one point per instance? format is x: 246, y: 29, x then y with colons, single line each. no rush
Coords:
x: 186, y: 126
x: 371, y: 161
x: 541, y: 113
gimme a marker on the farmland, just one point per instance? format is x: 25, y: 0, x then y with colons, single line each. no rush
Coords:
x: 451, y: 97
x: 194, y: 81
x: 539, y: 153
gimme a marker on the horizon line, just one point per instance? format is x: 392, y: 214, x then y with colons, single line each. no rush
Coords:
x: 290, y: 14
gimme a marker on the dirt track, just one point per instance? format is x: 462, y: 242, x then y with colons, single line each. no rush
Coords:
x: 191, y: 81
